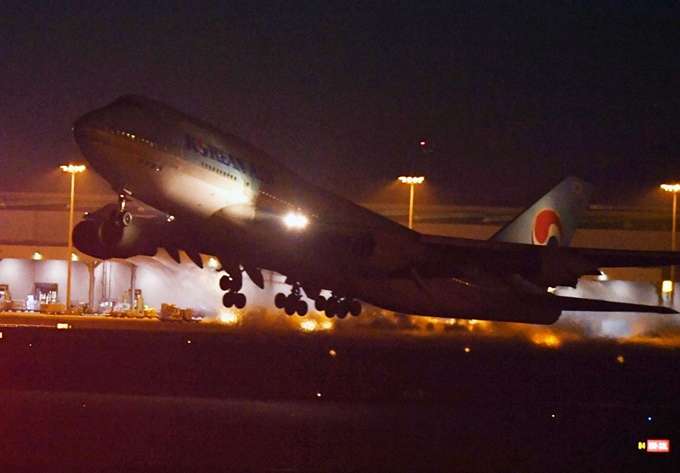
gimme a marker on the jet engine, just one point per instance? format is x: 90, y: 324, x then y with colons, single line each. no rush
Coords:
x: 109, y: 233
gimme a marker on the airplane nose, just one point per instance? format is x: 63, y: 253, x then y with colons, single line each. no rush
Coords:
x: 87, y: 122
x: 89, y: 132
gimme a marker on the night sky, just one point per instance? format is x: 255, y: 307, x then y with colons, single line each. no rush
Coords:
x: 509, y: 100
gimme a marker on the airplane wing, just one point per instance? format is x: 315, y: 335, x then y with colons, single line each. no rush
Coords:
x: 629, y: 258
x: 544, y: 266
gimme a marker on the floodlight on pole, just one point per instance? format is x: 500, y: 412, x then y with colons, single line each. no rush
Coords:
x: 674, y: 189
x: 72, y: 169
x: 411, y: 181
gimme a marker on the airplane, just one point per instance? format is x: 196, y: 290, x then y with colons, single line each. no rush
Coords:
x: 204, y: 191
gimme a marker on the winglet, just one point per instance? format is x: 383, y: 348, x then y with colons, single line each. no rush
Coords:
x: 553, y: 219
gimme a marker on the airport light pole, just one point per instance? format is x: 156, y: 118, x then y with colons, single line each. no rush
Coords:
x: 412, y: 181
x: 674, y: 188
x: 73, y: 170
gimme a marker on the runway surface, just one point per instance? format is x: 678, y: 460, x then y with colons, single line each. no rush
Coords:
x: 255, y: 401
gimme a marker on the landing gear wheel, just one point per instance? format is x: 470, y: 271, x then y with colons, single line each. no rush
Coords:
x: 291, y: 305
x: 331, y: 307
x: 280, y: 300
x: 226, y: 283
x: 239, y: 300
x: 228, y: 299
x: 320, y: 303
x: 301, y: 308
x: 343, y: 310
x: 354, y: 307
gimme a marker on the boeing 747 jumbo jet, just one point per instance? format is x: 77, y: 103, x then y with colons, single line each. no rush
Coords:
x: 217, y: 195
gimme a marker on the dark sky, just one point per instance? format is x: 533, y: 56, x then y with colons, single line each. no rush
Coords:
x: 509, y: 99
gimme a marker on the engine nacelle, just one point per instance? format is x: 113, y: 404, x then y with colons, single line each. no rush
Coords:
x: 107, y: 234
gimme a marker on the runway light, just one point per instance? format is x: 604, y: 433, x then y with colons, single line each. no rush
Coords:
x: 649, y: 418
x: 318, y: 394
x: 295, y: 221
x: 620, y: 359
x: 63, y: 326
x: 332, y: 352
x: 189, y: 342
x: 467, y: 349
x: 552, y: 415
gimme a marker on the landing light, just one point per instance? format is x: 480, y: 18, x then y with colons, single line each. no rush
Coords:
x: 295, y: 221
x: 667, y: 287
x: 37, y: 256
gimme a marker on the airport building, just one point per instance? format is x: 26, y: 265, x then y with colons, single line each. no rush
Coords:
x: 34, y: 254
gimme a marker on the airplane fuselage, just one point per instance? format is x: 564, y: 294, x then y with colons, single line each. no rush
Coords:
x: 223, y: 197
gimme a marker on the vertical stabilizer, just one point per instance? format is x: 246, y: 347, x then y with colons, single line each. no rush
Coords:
x: 553, y: 219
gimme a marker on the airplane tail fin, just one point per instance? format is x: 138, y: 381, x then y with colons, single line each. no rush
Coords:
x: 553, y: 219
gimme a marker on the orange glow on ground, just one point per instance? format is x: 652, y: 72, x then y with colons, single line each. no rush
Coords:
x: 548, y: 340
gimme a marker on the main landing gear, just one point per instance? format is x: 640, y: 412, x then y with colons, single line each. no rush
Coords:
x: 232, y: 297
x: 291, y: 303
x: 337, y: 306
x: 333, y: 306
